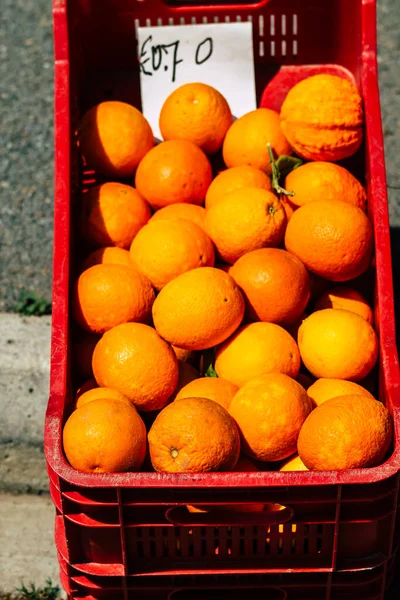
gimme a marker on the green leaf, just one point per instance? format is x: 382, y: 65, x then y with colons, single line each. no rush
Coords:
x: 208, y: 363
x: 210, y: 372
x: 280, y: 168
x: 286, y: 164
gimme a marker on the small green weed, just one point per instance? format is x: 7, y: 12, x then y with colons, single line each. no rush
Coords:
x: 48, y: 592
x: 30, y: 304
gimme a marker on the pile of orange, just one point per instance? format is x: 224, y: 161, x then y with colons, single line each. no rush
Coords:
x: 220, y: 321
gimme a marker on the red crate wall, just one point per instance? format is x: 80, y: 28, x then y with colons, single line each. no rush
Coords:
x: 123, y: 524
x: 368, y: 584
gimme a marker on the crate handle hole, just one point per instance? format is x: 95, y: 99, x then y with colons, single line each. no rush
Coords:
x: 255, y: 513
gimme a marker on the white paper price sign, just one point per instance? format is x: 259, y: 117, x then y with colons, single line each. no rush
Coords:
x: 218, y: 54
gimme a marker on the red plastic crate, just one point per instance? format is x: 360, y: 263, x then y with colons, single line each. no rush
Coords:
x: 128, y: 525
x: 366, y: 584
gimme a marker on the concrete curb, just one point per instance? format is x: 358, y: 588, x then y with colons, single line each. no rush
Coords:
x: 23, y: 470
x: 24, y: 377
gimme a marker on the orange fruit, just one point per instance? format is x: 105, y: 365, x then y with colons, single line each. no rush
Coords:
x: 269, y: 412
x: 322, y: 118
x: 107, y: 256
x: 288, y: 207
x: 236, y: 178
x: 337, y: 344
x: 332, y: 238
x: 184, y: 354
x: 275, y: 285
x: 112, y: 214
x: 190, y: 212
x: 172, y: 172
x: 113, y: 138
x: 347, y: 432
x: 132, y: 359
x: 255, y: 350
x: 83, y: 347
x: 107, y: 295
x: 324, y: 389
x: 244, y: 220
x: 324, y: 181
x: 213, y: 388
x: 294, y: 464
x: 90, y: 384
x: 100, y: 393
x: 198, y: 113
x: 348, y: 299
x: 193, y: 435
x: 198, y: 309
x: 105, y: 436
x: 187, y: 373
x: 163, y: 249
x: 247, y: 139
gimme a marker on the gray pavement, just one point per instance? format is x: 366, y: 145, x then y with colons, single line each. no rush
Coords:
x: 26, y: 159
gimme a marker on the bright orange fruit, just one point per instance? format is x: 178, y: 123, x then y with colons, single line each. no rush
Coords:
x: 270, y: 411
x: 322, y: 118
x: 247, y: 139
x: 236, y: 178
x: 338, y: 344
x: 194, y: 435
x: 198, y: 309
x: 213, y: 388
x: 324, y: 181
x: 105, y: 436
x: 332, y: 238
x: 112, y: 214
x: 325, y: 389
x: 294, y: 464
x: 113, y: 138
x: 111, y: 255
x: 191, y: 212
x: 196, y: 112
x: 100, y: 393
x: 245, y: 220
x: 184, y: 354
x: 134, y: 360
x: 172, y: 172
x: 163, y: 249
x: 107, y: 295
x: 275, y: 285
x: 347, y: 432
x: 348, y: 299
x: 255, y: 350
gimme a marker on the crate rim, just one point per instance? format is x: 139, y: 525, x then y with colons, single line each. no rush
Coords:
x: 389, y: 360
x: 58, y: 463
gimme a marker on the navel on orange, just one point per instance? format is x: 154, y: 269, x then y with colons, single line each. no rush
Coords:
x: 194, y: 435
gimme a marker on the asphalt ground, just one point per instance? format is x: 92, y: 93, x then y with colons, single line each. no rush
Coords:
x: 26, y: 132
